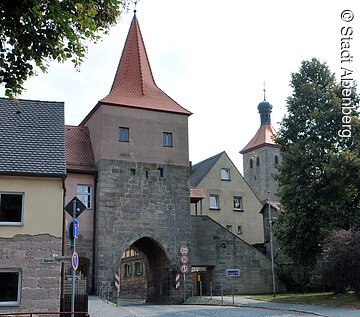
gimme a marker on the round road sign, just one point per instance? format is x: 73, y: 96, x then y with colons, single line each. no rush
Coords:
x: 184, y: 269
x: 184, y: 250
x: 184, y: 259
x: 75, y: 261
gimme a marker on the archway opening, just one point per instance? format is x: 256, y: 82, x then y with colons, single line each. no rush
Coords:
x: 145, y: 272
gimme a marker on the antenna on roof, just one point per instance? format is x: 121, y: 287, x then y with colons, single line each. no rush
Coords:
x: 264, y: 91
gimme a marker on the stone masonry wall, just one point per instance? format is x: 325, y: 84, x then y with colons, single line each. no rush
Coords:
x: 260, y: 177
x: 214, y: 245
x: 135, y: 201
x: 41, y: 283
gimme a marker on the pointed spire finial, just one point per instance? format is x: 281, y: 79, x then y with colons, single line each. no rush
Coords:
x: 135, y: 4
x: 264, y: 92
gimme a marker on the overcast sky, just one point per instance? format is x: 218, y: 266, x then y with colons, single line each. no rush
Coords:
x: 212, y: 57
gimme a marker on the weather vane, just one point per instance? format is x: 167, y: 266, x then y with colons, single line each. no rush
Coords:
x: 264, y: 91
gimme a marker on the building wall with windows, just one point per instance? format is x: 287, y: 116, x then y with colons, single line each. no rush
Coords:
x: 26, y: 283
x: 82, y: 186
x: 40, y: 200
x: 229, y: 200
x: 148, y: 128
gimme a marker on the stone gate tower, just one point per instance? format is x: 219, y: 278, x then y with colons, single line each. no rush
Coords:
x: 140, y: 141
x: 261, y: 155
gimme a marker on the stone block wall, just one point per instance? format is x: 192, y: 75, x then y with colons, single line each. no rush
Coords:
x: 41, y: 283
x: 142, y: 200
x: 215, y: 246
x: 260, y: 177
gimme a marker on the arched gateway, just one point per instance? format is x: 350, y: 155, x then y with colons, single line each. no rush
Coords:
x: 145, y: 272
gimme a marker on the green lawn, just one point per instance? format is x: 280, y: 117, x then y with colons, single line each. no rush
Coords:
x: 330, y: 299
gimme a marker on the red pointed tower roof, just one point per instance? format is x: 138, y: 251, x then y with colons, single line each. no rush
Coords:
x: 266, y: 133
x: 134, y: 84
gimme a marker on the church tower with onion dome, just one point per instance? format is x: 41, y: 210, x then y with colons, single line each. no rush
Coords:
x: 261, y: 155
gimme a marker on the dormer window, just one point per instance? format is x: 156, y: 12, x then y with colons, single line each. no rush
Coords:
x: 225, y: 174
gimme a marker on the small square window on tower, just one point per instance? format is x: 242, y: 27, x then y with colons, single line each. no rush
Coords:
x: 167, y: 139
x: 123, y: 134
x: 225, y: 174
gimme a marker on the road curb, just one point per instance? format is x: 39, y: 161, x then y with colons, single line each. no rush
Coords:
x: 215, y: 302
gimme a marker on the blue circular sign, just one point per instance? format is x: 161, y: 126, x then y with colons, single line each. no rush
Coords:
x: 75, y: 261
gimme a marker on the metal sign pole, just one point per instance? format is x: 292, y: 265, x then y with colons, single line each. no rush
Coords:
x: 73, y: 271
x: 184, y: 288
x: 271, y: 248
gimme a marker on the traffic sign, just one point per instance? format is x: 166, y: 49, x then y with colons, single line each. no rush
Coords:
x: 80, y: 207
x: 75, y: 261
x: 184, y: 259
x: 184, y: 250
x: 184, y: 269
x: 76, y: 228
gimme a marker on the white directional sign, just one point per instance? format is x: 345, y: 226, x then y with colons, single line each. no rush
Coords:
x: 233, y: 272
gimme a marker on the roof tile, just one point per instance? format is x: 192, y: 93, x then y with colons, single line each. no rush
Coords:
x: 79, y: 152
x: 32, y: 137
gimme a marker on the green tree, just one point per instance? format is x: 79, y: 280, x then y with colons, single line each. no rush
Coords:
x: 343, y: 248
x: 319, y: 181
x: 34, y: 32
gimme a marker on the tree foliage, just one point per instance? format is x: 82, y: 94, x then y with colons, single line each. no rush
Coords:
x: 343, y: 248
x: 319, y: 179
x: 34, y: 32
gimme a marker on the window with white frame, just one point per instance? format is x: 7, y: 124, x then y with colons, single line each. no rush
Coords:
x: 11, y: 208
x: 225, y: 174
x: 239, y: 230
x: 238, y: 203
x: 214, y: 202
x: 83, y: 192
x: 10, y: 287
x: 167, y: 139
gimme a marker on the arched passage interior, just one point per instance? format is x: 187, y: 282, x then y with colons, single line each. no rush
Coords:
x: 145, y: 271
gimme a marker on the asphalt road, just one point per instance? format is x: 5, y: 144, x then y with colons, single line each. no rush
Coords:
x: 99, y: 308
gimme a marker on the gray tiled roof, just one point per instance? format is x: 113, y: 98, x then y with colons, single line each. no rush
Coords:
x: 32, y: 137
x: 199, y: 170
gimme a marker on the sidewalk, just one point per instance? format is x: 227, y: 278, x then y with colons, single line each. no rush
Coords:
x: 246, y: 302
